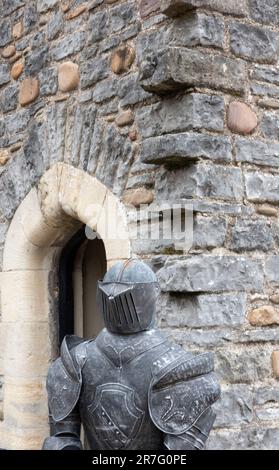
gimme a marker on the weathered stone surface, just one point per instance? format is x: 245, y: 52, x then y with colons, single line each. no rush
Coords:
x: 17, y: 70
x: 207, y: 273
x: 148, y: 7
x: 271, y: 268
x: 5, y: 32
x: 15, y: 184
x: 265, y: 73
x: 264, y: 11
x: 9, y: 51
x: 275, y: 363
x: 266, y: 394
x: 202, y: 310
x: 264, y: 90
x: 270, y: 125
x: 56, y: 133
x: 69, y: 45
x: 29, y: 91
x: 263, y: 316
x: 44, y: 5
x: 251, y: 235
x: 9, y: 6
x: 48, y: 81
x: 122, y: 59
x: 222, y: 337
x: 261, y: 187
x: 116, y: 154
x: 125, y: 118
x: 30, y: 16
x: 209, y: 232
x: 197, y: 29
x: 55, y: 25
x: 254, y: 43
x: 18, y: 122
x: 9, y: 98
x: 93, y: 71
x: 212, y: 181
x: 241, y: 118
x: 243, y: 365
x: 36, y: 61
x: 176, y: 68
x: 88, y: 126
x: 268, y: 414
x: 121, y: 16
x: 68, y: 76
x: 138, y: 196
x: 105, y: 90
x: 179, y: 149
x: 139, y: 180
x: 235, y: 406
x: 268, y: 103
x: 98, y: 27
x: 192, y: 111
x: 249, y: 438
x: 4, y: 74
x: 179, y: 7
x: 130, y: 92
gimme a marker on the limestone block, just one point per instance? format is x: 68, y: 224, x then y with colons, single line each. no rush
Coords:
x: 19, y: 253
x: 90, y: 200
x: 34, y: 226
x: 31, y: 300
x: 48, y: 193
x: 69, y: 189
x: 27, y: 350
x: 113, y: 229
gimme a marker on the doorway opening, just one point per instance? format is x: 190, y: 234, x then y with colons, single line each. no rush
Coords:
x: 82, y: 264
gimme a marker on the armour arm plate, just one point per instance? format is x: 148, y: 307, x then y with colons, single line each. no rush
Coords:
x: 64, y: 383
x: 180, y: 399
x: 195, y: 438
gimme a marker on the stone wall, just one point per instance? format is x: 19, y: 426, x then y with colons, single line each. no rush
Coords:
x: 166, y: 100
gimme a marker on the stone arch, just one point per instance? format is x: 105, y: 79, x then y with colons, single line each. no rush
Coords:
x: 64, y: 198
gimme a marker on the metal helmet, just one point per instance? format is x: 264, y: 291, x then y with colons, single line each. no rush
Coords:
x: 127, y: 297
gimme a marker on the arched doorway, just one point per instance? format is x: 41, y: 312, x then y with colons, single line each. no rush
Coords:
x: 66, y: 198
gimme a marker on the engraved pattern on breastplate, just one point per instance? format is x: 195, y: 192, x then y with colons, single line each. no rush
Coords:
x: 119, y: 353
x: 114, y: 415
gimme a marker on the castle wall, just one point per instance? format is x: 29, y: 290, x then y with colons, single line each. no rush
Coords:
x: 166, y: 101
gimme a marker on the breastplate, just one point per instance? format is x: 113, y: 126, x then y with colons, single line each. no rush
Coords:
x: 114, y: 397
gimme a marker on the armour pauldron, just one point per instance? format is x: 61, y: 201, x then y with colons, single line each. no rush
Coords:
x: 181, y: 392
x: 64, y: 378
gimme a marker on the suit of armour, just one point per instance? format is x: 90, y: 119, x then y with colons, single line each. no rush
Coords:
x: 132, y: 387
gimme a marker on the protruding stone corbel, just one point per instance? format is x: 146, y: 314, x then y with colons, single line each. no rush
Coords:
x: 180, y: 7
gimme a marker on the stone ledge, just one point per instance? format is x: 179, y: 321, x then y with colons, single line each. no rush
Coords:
x: 180, y: 149
x: 178, y: 68
x: 207, y: 273
x: 180, y: 7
